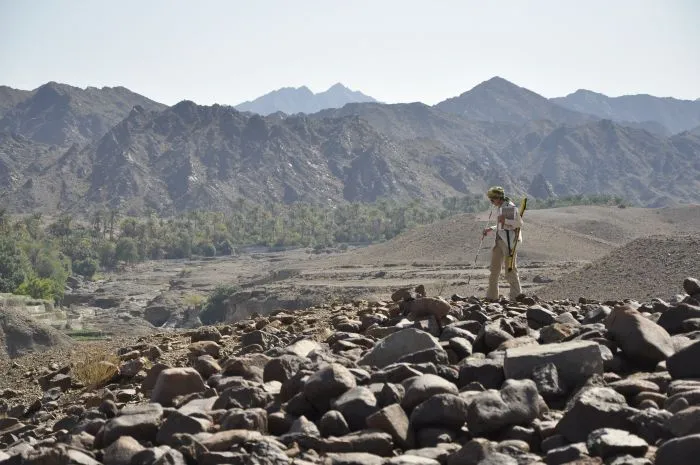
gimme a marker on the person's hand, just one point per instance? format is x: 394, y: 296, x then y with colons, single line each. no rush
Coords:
x: 486, y: 231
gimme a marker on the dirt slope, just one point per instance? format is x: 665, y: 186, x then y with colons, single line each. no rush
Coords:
x: 556, y: 235
x: 642, y: 269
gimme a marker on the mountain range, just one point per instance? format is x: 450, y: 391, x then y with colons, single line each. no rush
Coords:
x: 290, y: 100
x: 672, y: 114
x: 72, y: 149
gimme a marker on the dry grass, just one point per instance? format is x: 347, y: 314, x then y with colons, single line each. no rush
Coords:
x: 96, y: 367
x: 194, y: 300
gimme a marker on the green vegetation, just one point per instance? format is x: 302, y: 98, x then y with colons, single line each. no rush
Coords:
x: 215, y: 308
x: 37, y: 258
x: 594, y: 199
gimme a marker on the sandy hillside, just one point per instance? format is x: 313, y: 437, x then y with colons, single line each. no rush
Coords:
x: 582, y: 233
x: 642, y: 269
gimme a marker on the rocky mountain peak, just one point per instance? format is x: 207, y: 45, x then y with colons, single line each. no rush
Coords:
x: 50, y: 94
x: 60, y: 114
x: 497, y: 83
x: 290, y: 100
x: 498, y: 99
x: 337, y: 86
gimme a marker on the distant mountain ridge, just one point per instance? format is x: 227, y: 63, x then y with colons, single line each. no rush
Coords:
x: 61, y: 114
x: 674, y: 114
x: 55, y: 153
x: 500, y: 100
x: 290, y: 100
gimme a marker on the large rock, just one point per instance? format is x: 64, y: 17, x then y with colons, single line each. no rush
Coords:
x: 328, y: 383
x: 173, y: 382
x: 392, y: 420
x: 356, y: 405
x: 420, y: 388
x: 485, y: 371
x: 640, y: 339
x: 685, y: 422
x: 593, y: 408
x: 20, y: 334
x: 672, y: 319
x: 609, y: 442
x: 518, y: 402
x: 141, y: 422
x: 440, y: 411
x: 396, y: 345
x: 362, y: 441
x: 684, y: 363
x: 679, y: 450
x: 121, y: 451
x: 576, y: 361
x: 284, y: 367
x: 426, y: 306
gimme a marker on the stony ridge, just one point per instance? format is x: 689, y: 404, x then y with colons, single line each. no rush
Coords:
x: 642, y: 269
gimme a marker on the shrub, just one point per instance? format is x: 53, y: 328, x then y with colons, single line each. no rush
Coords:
x: 96, y: 368
x: 13, y: 265
x: 40, y: 288
x: 224, y: 247
x: 193, y: 300
x: 107, y: 254
x: 86, y: 267
x: 215, y: 309
x: 126, y: 250
x: 207, y: 249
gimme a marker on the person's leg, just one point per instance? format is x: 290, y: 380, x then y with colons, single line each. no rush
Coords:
x: 513, y: 278
x: 496, y: 263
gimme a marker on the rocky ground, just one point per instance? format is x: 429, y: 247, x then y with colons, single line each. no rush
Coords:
x: 412, y: 380
x: 368, y: 374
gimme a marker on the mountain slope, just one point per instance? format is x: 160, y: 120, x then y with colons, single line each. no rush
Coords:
x: 606, y: 157
x: 209, y: 157
x: 191, y: 156
x: 674, y: 114
x: 34, y: 175
x: 10, y: 97
x: 471, y: 150
x: 500, y: 100
x: 574, y: 233
x: 291, y: 100
x: 60, y: 114
x: 198, y: 157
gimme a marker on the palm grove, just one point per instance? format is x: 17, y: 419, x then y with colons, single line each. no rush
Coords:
x: 38, y: 255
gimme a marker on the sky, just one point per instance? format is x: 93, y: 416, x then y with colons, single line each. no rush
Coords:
x: 230, y: 51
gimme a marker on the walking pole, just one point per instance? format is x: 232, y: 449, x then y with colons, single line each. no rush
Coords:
x: 480, y: 244
x: 511, y: 254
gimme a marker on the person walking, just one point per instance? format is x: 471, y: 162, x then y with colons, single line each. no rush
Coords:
x: 507, y: 232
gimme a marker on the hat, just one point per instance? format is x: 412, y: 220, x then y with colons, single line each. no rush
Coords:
x: 495, y: 192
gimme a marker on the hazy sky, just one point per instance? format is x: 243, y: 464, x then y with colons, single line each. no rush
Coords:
x: 230, y: 51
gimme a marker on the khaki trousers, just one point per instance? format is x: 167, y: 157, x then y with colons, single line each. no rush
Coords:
x: 499, y: 257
